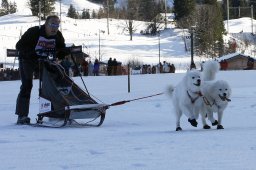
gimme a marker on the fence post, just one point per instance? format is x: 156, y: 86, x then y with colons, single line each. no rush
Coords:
x: 128, y: 78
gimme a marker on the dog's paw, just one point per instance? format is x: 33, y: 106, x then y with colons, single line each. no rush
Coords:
x: 220, y: 127
x: 207, y: 127
x: 178, y: 129
x: 215, y: 123
x: 193, y: 122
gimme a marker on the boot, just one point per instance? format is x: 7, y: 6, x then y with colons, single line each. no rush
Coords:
x: 23, y: 120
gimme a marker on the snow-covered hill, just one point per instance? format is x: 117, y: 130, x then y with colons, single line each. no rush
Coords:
x: 91, y: 33
x: 86, y: 33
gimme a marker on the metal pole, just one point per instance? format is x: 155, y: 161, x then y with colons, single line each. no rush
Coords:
x: 129, y: 87
x: 159, y: 47
x: 108, y: 16
x: 99, y: 45
x: 44, y: 10
x: 60, y: 17
x: 252, y: 17
x: 192, y: 64
x: 227, y: 15
x: 192, y: 49
x: 239, y: 12
x: 39, y: 7
x: 165, y: 18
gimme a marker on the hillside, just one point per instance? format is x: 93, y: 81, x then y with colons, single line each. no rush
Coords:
x: 91, y: 33
x: 86, y: 33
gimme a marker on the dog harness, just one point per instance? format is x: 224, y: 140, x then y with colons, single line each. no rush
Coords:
x: 199, y: 94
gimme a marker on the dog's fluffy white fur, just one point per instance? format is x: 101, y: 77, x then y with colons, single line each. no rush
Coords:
x: 186, y: 97
x: 215, y: 93
x: 201, y: 93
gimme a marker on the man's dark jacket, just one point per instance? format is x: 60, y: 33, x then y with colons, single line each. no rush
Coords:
x: 26, y: 45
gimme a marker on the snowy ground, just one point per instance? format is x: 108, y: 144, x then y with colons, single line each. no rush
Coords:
x: 137, y: 135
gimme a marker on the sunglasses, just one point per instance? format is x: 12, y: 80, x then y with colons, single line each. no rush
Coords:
x: 54, y: 25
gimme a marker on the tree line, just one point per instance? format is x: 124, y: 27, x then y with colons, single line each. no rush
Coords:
x: 206, y: 18
x: 7, y: 7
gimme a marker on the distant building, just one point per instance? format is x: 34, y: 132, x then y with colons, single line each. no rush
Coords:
x: 237, y: 61
x: 169, y: 17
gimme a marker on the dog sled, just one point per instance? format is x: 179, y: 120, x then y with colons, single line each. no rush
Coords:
x: 61, y: 100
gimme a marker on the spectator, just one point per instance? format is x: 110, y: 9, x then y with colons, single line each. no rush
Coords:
x: 110, y: 65
x: 90, y: 69
x: 165, y: 67
x: 96, y: 67
x: 85, y: 67
x: 114, y: 64
x: 172, y: 68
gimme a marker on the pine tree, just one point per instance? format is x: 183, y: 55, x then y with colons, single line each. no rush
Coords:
x: 71, y: 12
x: 47, y: 6
x: 183, y: 8
x: 101, y: 13
x: 13, y: 8
x: 109, y: 4
x: 132, y: 10
x: 131, y: 15
x: 210, y: 29
x: 86, y: 14
x: 8, y: 7
x: 2, y: 12
x: 94, y: 15
x: 147, y: 10
x: 253, y: 3
x: 5, y: 4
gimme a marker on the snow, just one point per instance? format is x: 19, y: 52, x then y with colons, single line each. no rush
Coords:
x: 137, y: 135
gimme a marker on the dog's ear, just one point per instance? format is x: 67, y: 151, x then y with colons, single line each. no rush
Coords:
x: 229, y: 90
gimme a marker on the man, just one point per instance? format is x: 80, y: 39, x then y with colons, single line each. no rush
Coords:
x: 114, y: 67
x: 32, y: 41
x: 109, y: 67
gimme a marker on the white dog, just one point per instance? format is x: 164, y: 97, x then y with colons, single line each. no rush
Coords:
x: 216, y: 94
x: 187, y: 98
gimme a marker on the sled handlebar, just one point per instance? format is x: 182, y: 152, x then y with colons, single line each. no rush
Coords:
x: 65, y: 51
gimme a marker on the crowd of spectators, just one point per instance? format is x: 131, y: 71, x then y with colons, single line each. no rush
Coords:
x: 160, y: 68
x: 96, y: 68
x: 9, y: 74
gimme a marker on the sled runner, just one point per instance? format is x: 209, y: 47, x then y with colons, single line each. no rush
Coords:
x: 61, y: 98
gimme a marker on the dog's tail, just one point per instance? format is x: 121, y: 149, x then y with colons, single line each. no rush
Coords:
x: 170, y: 90
x: 210, y: 68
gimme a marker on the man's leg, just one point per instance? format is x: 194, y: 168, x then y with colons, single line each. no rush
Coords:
x: 23, y: 99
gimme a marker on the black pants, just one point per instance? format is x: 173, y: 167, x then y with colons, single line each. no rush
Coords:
x: 27, y: 69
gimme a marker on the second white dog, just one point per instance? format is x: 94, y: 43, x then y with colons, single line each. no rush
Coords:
x: 215, y: 94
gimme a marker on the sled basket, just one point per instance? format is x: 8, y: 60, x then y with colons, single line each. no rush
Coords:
x: 60, y: 97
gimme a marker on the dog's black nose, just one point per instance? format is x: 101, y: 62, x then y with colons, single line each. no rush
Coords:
x: 198, y: 81
x: 225, y: 94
